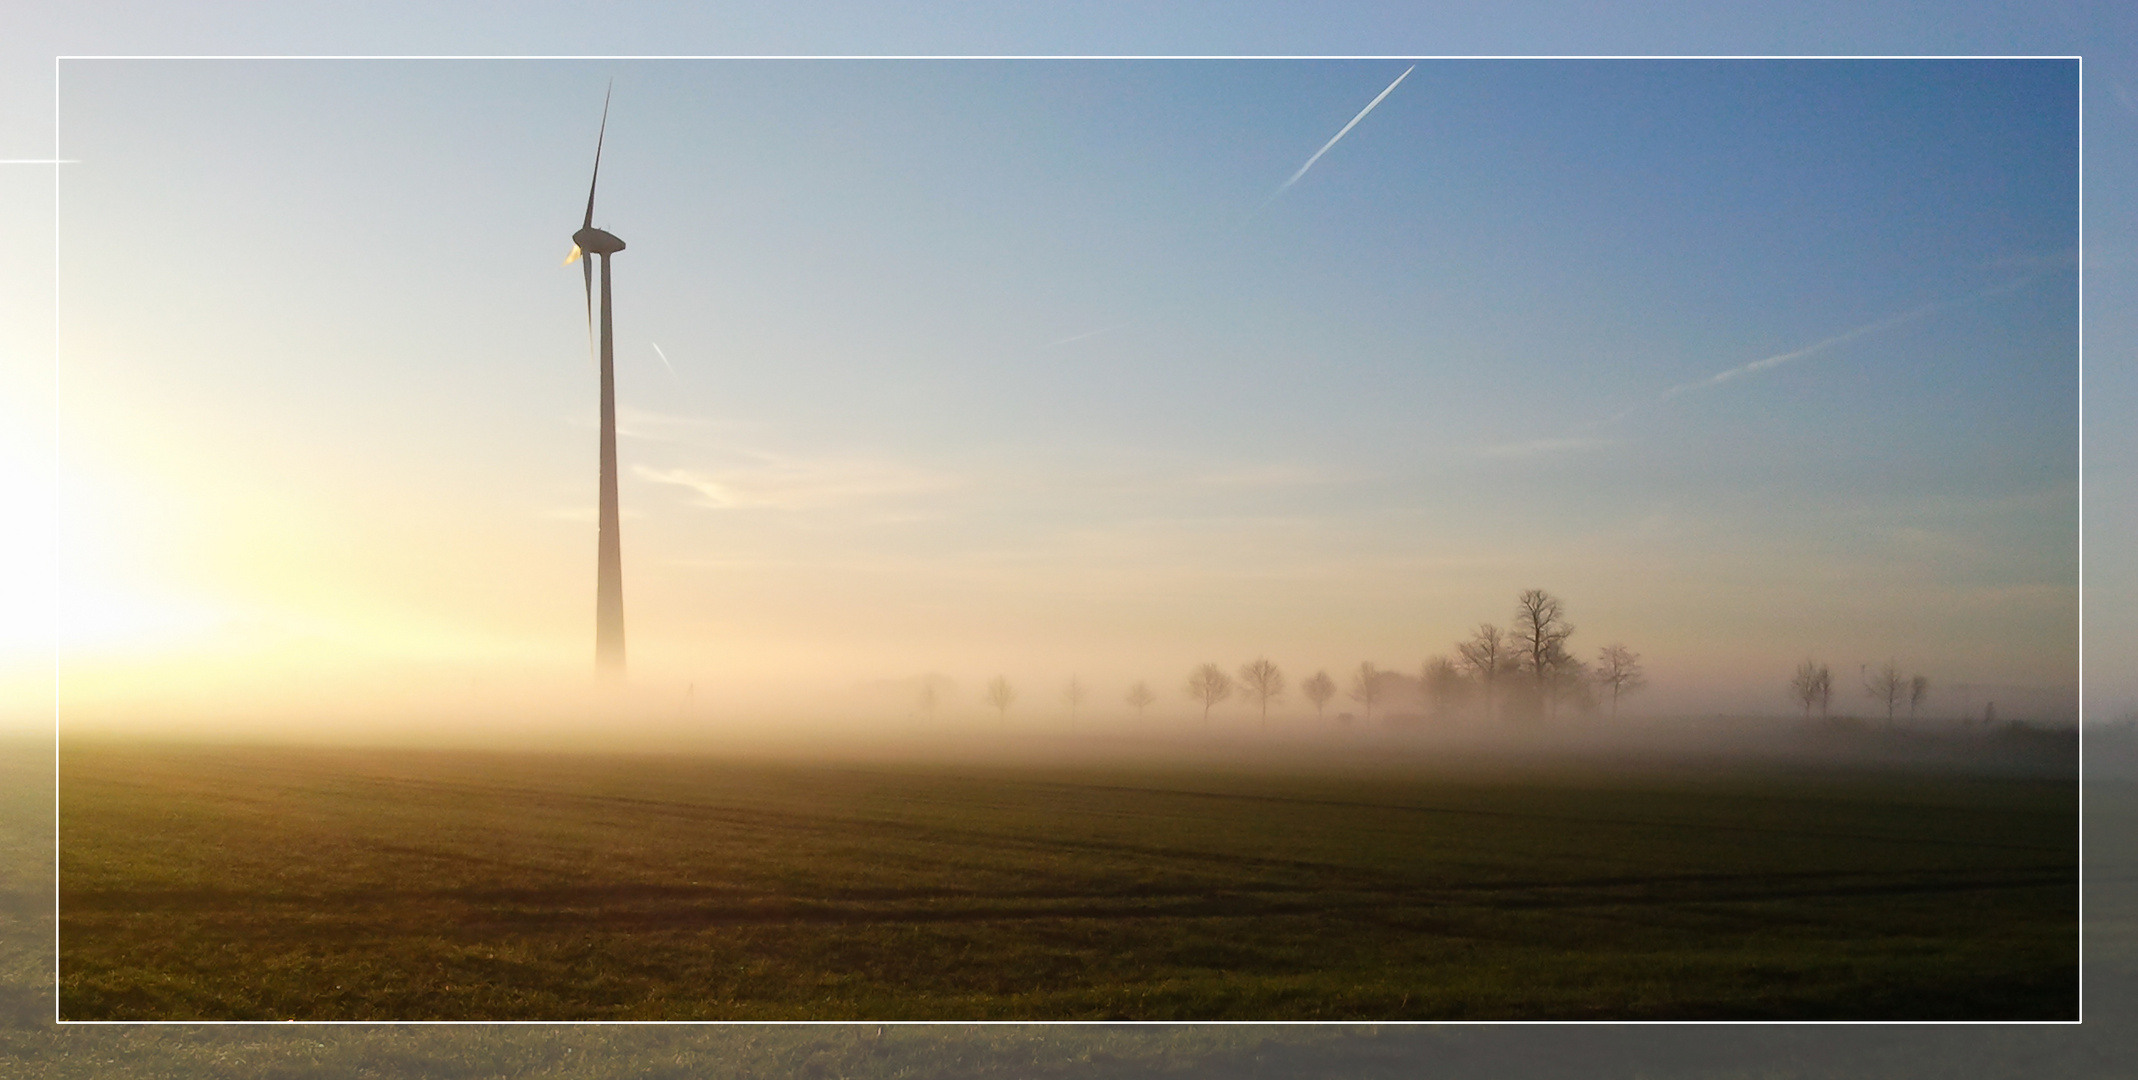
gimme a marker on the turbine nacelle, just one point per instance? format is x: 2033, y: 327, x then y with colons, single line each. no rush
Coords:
x: 593, y: 241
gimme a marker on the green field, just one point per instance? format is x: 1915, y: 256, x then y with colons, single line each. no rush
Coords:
x: 347, y: 884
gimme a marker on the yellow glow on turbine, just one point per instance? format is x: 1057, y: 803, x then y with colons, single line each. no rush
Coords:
x: 573, y: 257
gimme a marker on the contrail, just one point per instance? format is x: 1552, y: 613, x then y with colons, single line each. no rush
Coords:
x: 1242, y: 221
x: 1816, y: 347
x: 1779, y: 359
x: 664, y: 362
x: 1281, y: 189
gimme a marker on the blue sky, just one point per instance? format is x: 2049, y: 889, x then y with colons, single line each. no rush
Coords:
x: 1923, y: 488
x: 1024, y: 365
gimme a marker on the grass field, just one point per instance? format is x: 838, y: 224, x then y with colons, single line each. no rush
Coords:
x: 344, y: 884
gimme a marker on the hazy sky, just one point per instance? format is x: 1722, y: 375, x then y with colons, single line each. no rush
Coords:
x: 1038, y: 367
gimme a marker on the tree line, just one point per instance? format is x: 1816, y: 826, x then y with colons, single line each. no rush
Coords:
x: 1813, y: 687
x: 1526, y: 671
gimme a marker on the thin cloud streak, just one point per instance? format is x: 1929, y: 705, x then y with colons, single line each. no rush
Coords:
x: 1077, y: 337
x: 1270, y: 476
x: 664, y: 361
x: 584, y: 514
x: 1541, y: 447
x: 1282, y: 188
x: 784, y: 483
x: 653, y: 426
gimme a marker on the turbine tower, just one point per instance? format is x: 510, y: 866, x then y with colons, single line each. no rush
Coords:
x: 609, y: 571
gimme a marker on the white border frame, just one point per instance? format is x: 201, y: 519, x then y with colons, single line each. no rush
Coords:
x: 56, y: 160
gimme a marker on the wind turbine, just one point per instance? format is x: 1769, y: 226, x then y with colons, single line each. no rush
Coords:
x: 609, y: 571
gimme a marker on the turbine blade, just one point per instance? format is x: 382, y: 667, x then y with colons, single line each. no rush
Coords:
x: 588, y: 266
x: 604, y: 134
x: 574, y: 256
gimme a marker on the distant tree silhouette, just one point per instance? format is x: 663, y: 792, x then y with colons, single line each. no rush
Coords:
x: 1209, y: 684
x: 1445, y: 686
x: 1619, y: 669
x: 1572, y: 681
x: 1073, y: 695
x: 934, y: 689
x: 1000, y: 695
x: 1487, y: 655
x: 1319, y: 689
x: 1263, y: 682
x: 1141, y: 697
x: 1369, y: 684
x: 1813, y: 685
x: 1886, y: 685
x: 1918, y: 691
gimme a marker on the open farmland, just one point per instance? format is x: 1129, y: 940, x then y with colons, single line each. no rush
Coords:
x: 349, y: 884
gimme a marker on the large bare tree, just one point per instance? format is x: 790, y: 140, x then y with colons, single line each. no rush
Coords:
x: 1141, y: 697
x: 1619, y: 669
x: 1886, y: 684
x: 1540, y: 633
x: 1263, y: 682
x: 1319, y: 689
x: 1487, y: 656
x: 1209, y: 684
x: 1000, y: 695
x: 1813, y: 685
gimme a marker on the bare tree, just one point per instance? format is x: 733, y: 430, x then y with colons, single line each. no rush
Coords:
x: 1487, y: 656
x: 1886, y: 685
x: 1368, y: 685
x: 1073, y: 695
x: 1209, y: 684
x: 999, y: 694
x: 1619, y: 668
x: 1263, y: 682
x: 1540, y: 633
x: 1141, y: 697
x: 1319, y: 689
x: 1918, y: 690
x: 1445, y: 686
x: 931, y: 694
x: 1813, y: 685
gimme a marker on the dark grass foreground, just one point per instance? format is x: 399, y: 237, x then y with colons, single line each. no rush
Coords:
x: 247, y: 883
x: 33, y: 1048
